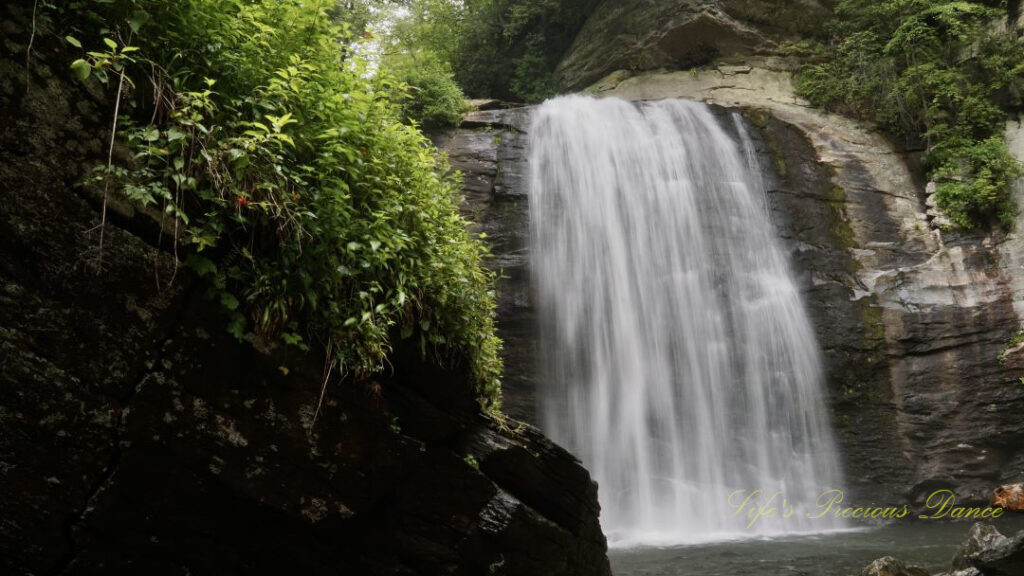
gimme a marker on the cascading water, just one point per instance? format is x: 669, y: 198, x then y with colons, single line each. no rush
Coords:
x: 681, y: 364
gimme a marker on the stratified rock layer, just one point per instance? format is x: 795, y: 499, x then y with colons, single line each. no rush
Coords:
x: 136, y: 437
x: 490, y: 151
x: 640, y: 35
x: 913, y: 320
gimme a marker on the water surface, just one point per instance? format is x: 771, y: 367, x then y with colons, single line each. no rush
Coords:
x: 930, y: 545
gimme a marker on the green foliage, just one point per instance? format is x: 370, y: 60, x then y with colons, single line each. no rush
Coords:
x: 1010, y: 345
x: 532, y: 80
x: 314, y: 215
x: 496, y: 48
x: 510, y: 48
x: 431, y: 97
x: 935, y: 72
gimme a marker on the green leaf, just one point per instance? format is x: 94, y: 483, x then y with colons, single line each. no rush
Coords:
x: 174, y: 134
x: 237, y: 325
x: 138, y: 20
x: 201, y: 265
x: 73, y: 41
x: 81, y: 69
x: 228, y: 301
x: 110, y: 43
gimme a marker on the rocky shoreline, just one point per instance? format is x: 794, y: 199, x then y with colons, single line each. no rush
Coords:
x: 985, y: 552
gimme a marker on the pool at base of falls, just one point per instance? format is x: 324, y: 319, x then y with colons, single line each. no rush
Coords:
x: 928, y: 544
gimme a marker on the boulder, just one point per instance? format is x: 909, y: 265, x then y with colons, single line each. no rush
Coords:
x: 991, y: 553
x: 1009, y: 497
x: 889, y: 566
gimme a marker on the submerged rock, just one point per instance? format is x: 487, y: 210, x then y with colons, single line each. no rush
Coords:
x: 966, y: 572
x: 889, y: 566
x: 985, y: 552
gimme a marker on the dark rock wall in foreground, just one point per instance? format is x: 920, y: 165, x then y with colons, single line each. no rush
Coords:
x: 136, y: 437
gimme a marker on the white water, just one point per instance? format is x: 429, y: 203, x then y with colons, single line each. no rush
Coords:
x: 681, y: 364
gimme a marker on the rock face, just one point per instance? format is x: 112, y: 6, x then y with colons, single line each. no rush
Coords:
x: 990, y: 553
x: 639, y: 35
x: 1009, y: 497
x: 913, y: 321
x: 136, y: 437
x: 490, y: 151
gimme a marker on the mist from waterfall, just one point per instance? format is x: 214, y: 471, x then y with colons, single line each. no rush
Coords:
x: 680, y: 363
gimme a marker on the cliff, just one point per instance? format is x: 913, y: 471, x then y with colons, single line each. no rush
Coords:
x: 136, y: 436
x: 639, y: 36
x: 912, y: 320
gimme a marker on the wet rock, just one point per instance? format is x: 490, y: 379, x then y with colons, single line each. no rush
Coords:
x: 912, y: 319
x: 1009, y: 497
x: 490, y: 151
x: 484, y: 104
x: 965, y: 572
x: 991, y: 553
x: 889, y: 566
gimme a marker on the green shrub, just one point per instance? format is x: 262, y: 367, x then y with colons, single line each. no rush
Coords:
x: 315, y: 216
x: 937, y: 73
x: 496, y: 48
x: 533, y: 80
x: 431, y: 99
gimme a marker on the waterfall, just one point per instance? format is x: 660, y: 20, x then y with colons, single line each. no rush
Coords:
x: 681, y: 366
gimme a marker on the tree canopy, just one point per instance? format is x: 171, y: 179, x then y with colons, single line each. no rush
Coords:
x: 938, y: 73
